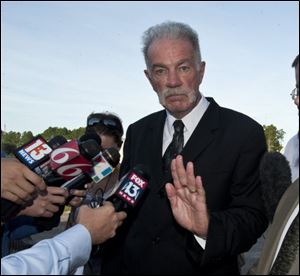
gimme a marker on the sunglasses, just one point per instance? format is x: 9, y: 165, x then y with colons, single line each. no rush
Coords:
x: 105, y: 122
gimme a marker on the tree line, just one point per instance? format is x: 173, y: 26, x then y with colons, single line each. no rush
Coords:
x: 11, y: 140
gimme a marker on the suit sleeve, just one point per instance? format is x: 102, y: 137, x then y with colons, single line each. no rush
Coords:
x: 235, y: 229
x: 125, y: 165
x: 60, y: 255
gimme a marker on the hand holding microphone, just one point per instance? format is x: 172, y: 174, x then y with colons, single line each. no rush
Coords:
x: 36, y: 156
x: 18, y: 183
x: 102, y: 222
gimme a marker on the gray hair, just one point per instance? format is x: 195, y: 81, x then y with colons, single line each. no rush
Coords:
x: 171, y: 30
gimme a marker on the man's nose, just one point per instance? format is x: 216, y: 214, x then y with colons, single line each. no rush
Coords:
x: 173, y: 79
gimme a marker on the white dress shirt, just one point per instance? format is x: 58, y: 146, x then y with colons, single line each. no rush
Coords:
x: 291, y: 152
x: 61, y: 255
x: 190, y: 122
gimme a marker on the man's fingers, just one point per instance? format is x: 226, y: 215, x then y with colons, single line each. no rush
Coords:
x: 79, y: 193
x: 21, y: 193
x: 14, y: 198
x: 181, y: 173
x: 191, y: 181
x: 52, y: 208
x: 58, y: 191
x: 200, y: 188
x: 121, y: 215
x: 34, y: 179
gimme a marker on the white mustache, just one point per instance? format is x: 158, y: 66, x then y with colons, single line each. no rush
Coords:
x: 173, y: 92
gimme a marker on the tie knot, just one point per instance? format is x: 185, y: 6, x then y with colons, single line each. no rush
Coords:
x: 178, y: 126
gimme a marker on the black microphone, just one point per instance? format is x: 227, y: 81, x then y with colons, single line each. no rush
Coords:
x: 90, y: 136
x: 104, y: 164
x: 275, y: 175
x: 130, y: 189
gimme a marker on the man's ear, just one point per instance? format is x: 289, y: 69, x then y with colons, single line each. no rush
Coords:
x: 148, y: 75
x: 202, y: 71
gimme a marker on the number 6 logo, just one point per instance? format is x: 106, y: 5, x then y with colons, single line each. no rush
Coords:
x: 75, y: 169
x: 55, y: 156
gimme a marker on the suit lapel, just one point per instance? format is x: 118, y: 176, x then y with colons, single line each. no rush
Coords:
x: 155, y: 148
x: 204, y: 133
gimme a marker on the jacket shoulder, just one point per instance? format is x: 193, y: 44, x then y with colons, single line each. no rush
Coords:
x: 150, y: 119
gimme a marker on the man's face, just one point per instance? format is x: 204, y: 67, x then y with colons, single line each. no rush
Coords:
x: 108, y: 141
x: 174, y: 75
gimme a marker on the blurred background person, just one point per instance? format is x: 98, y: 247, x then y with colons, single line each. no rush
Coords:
x: 291, y: 150
x: 280, y: 250
x: 108, y: 126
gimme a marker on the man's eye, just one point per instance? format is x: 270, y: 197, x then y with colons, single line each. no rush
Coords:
x: 160, y: 71
x: 184, y: 68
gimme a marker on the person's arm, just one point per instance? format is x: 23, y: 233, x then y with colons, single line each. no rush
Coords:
x: 69, y: 250
x: 60, y: 255
x: 224, y: 230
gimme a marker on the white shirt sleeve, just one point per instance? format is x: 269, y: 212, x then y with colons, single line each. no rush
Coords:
x: 291, y: 152
x: 60, y: 255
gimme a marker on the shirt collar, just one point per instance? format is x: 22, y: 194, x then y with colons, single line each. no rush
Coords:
x: 190, y: 120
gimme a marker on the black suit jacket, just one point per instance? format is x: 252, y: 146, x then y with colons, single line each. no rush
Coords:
x: 226, y: 148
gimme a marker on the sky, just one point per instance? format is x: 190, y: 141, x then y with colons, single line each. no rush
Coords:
x: 61, y: 61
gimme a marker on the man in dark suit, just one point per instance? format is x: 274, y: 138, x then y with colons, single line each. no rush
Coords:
x: 199, y: 224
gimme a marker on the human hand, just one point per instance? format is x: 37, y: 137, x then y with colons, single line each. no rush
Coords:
x: 46, y: 205
x: 101, y: 222
x: 79, y: 195
x: 187, y: 198
x: 18, y: 183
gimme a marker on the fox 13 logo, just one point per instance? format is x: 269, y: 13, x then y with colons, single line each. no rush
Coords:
x: 133, y: 189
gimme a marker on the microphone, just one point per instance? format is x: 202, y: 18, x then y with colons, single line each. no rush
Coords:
x: 104, y: 163
x: 275, y: 175
x: 130, y: 189
x: 73, y: 158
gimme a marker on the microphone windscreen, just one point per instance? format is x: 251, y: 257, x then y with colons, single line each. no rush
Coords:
x: 89, y: 149
x: 57, y: 141
x: 112, y: 155
x: 275, y: 175
x: 90, y: 136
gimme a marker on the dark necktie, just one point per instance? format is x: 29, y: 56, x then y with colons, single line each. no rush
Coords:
x: 288, y: 250
x: 175, y: 147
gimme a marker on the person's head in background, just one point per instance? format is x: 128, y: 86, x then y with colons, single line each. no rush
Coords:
x: 295, y: 92
x: 108, y: 126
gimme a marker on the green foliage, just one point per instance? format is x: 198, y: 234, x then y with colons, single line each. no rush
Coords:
x: 8, y: 148
x: 11, y: 140
x: 25, y: 137
x: 11, y: 137
x: 76, y: 133
x: 274, y: 137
